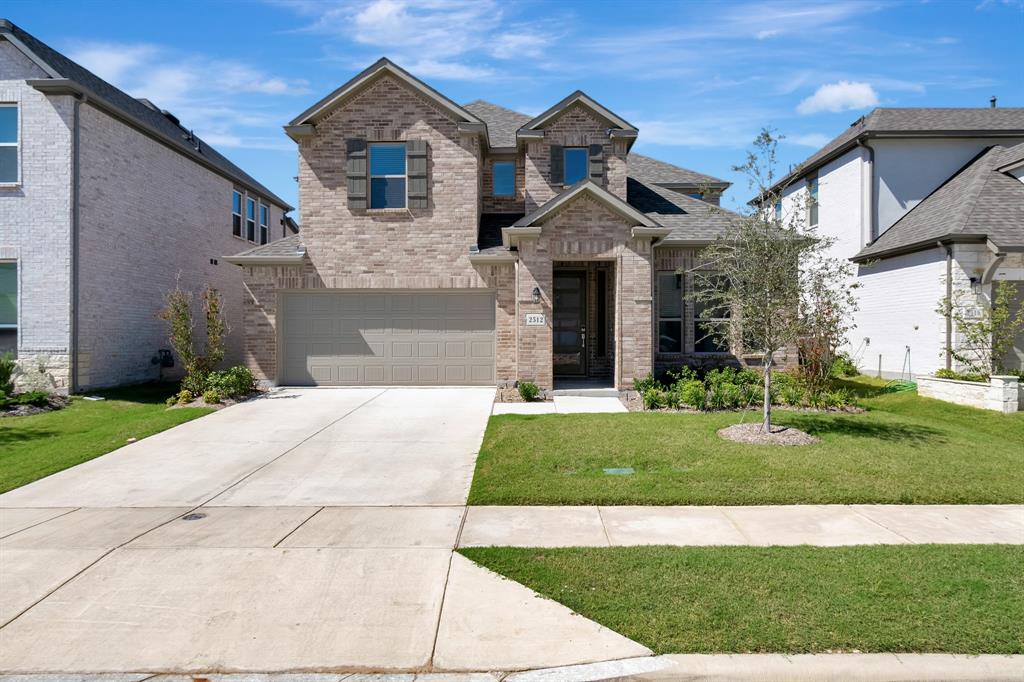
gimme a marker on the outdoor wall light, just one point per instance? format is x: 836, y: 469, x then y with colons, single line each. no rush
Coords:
x: 975, y: 285
x: 536, y: 294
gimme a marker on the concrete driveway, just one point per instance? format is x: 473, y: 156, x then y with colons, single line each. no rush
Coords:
x: 309, y: 530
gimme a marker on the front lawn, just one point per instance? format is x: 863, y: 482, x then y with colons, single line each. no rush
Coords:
x: 966, y: 599
x: 904, y: 450
x: 39, y: 445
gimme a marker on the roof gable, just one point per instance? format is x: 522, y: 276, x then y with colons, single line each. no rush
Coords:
x: 579, y: 97
x: 382, y: 67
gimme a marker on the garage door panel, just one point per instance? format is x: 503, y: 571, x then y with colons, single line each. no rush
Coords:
x: 358, y: 338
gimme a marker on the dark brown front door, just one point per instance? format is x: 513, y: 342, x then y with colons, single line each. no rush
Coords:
x: 569, y: 323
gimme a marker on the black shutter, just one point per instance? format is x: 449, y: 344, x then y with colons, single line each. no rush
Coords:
x: 557, y: 165
x: 355, y: 171
x: 597, y: 163
x: 416, y: 170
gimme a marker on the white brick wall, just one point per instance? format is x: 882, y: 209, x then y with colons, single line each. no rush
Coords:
x: 147, y: 213
x: 35, y: 215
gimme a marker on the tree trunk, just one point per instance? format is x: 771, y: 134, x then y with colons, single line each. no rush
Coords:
x: 766, y: 424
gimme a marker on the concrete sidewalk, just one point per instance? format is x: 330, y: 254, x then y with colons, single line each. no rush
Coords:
x: 823, y: 525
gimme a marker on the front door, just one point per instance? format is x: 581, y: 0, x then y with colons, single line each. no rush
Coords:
x: 569, y: 323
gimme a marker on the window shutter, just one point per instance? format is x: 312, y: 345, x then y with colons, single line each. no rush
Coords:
x: 597, y: 163
x: 416, y: 158
x: 355, y: 171
x: 557, y: 165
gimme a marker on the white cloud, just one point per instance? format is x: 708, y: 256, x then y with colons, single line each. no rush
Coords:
x: 700, y: 130
x: 514, y: 45
x: 841, y: 96
x: 814, y: 140
x: 204, y: 92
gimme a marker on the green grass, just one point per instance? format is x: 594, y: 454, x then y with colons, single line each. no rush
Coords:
x: 928, y: 598
x: 904, y: 450
x: 39, y: 445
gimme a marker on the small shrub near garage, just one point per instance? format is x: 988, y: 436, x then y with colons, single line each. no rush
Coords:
x: 528, y: 391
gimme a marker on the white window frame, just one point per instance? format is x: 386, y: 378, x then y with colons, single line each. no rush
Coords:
x: 681, y: 318
x: 813, y: 192
x: 16, y: 144
x: 240, y: 214
x: 250, y: 201
x: 263, y: 214
x: 371, y: 176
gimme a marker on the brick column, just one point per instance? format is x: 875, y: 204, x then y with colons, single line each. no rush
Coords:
x: 535, y: 270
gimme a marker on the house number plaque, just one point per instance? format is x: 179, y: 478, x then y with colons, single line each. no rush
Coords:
x: 534, y: 319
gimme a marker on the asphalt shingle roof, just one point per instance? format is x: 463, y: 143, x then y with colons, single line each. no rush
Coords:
x: 691, y: 220
x: 502, y: 123
x: 977, y: 201
x: 1009, y: 121
x: 282, y: 248
x: 660, y: 172
x: 140, y: 111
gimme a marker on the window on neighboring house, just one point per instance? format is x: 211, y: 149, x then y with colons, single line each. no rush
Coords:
x: 250, y: 219
x: 778, y: 210
x: 387, y: 175
x: 264, y: 224
x: 236, y: 214
x: 504, y: 178
x: 812, y: 208
x: 696, y: 195
x: 8, y: 307
x: 670, y: 312
x: 709, y: 321
x: 9, y: 143
x: 575, y: 164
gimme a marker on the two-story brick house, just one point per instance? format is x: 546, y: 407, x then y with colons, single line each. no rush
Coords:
x: 104, y: 200
x: 922, y: 201
x: 448, y: 244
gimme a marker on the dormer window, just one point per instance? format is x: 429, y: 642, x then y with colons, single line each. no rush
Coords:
x: 575, y: 164
x: 387, y: 175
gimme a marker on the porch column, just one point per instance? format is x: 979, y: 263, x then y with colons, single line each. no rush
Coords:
x: 634, y: 312
x: 535, y: 271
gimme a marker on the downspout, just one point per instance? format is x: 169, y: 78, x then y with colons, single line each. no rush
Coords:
x: 948, y: 303
x: 73, y: 341
x: 868, y: 196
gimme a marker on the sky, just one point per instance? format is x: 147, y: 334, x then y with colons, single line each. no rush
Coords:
x: 699, y: 79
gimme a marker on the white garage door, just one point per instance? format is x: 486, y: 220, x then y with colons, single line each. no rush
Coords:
x: 361, y: 338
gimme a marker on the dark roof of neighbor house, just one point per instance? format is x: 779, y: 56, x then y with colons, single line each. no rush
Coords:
x: 143, y: 113
x: 912, y: 122
x: 978, y: 202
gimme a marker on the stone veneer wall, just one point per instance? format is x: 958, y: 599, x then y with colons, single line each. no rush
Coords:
x: 575, y: 127
x: 35, y: 216
x: 1001, y: 394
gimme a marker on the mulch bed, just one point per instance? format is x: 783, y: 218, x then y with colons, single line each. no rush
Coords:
x: 754, y: 434
x: 510, y: 394
x: 54, y: 402
x: 227, y: 402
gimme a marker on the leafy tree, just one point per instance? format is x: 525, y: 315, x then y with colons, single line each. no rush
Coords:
x: 985, y: 332
x: 177, y: 312
x: 769, y: 285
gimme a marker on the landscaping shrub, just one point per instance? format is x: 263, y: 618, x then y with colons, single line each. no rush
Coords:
x: 644, y: 383
x: 961, y: 376
x: 211, y: 396
x: 655, y: 398
x: 843, y: 366
x: 528, y: 390
x: 185, y: 396
x: 7, y: 368
x: 236, y: 382
x: 692, y: 393
x: 178, y: 314
x: 35, y: 398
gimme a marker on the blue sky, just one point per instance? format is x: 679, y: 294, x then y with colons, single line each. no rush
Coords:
x: 698, y: 78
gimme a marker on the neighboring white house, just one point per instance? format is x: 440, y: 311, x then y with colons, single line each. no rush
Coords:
x: 104, y: 200
x: 867, y: 185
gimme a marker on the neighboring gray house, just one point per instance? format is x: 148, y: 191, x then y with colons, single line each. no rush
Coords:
x: 104, y: 200
x: 916, y: 197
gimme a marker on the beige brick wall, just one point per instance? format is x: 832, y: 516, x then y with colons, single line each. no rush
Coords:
x: 147, y: 213
x: 575, y: 127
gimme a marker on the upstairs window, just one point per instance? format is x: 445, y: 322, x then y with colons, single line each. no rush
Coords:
x: 812, y: 208
x: 670, y: 312
x: 778, y: 211
x: 9, y: 144
x: 504, y: 178
x: 250, y: 219
x: 387, y: 175
x: 575, y: 164
x: 236, y: 214
x: 264, y: 224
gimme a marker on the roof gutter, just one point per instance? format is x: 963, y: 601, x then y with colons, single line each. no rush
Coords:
x: 863, y: 257
x: 867, y: 194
